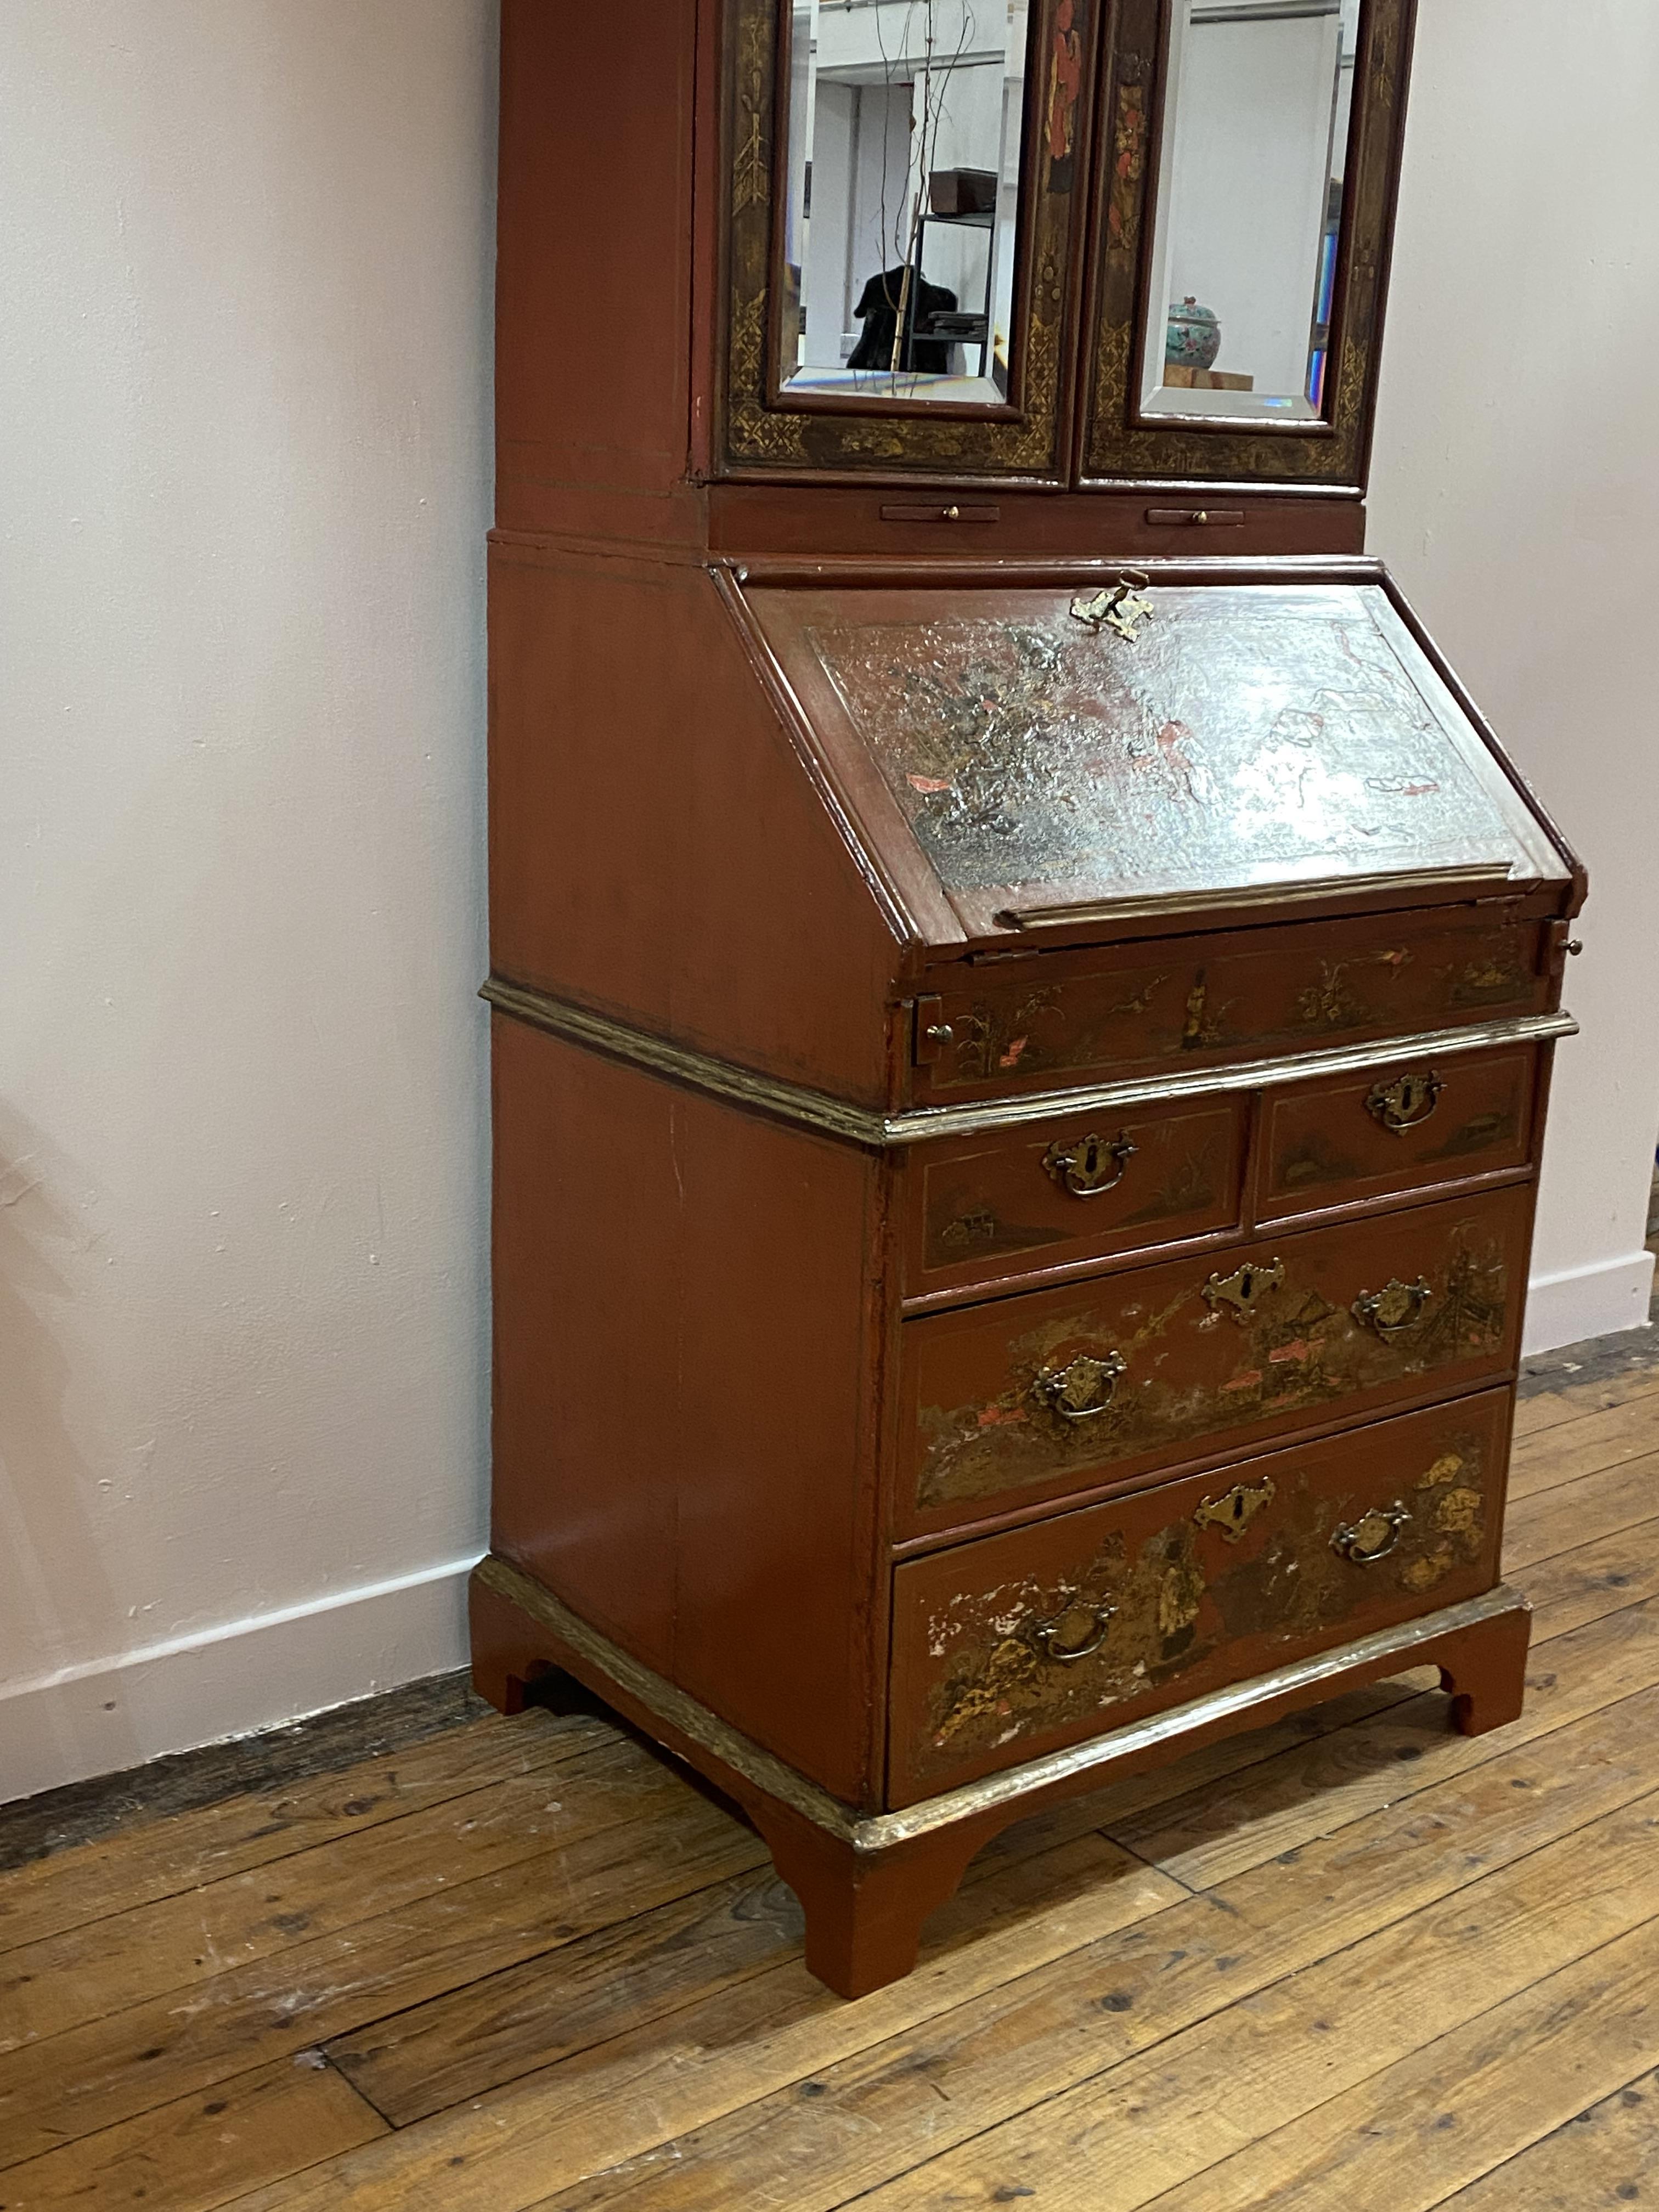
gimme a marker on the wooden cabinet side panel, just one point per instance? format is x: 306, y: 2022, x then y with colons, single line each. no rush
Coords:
x: 593, y: 269
x: 588, y: 1262
x: 781, y: 1605
x: 688, y: 1311
x: 657, y: 850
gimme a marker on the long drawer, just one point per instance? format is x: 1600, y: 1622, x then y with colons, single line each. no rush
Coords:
x: 1056, y: 1392
x: 1198, y: 1000
x: 1016, y: 1644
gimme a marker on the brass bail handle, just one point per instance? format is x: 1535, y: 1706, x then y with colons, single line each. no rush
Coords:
x: 1091, y: 1165
x: 1084, y: 1389
x: 1394, y: 1310
x: 1407, y: 1103
x: 1044, y: 1636
x: 1373, y: 1536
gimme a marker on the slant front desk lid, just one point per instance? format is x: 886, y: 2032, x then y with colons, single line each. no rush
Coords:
x: 1049, y: 758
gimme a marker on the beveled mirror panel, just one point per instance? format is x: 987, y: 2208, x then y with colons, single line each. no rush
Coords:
x: 1258, y: 98
x: 902, y: 193
x: 1243, y: 238
x: 906, y: 187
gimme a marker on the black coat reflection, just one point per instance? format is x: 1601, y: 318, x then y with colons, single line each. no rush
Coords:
x: 878, y: 311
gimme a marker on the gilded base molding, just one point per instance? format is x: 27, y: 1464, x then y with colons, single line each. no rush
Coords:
x: 727, y: 1748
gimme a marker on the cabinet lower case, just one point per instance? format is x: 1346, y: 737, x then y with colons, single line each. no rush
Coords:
x: 1015, y: 1146
x: 867, y: 1882
x: 894, y: 1578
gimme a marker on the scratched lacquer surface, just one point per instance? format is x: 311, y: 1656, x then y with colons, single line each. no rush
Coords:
x: 1250, y: 735
x: 1206, y: 1359
x: 1008, y: 1647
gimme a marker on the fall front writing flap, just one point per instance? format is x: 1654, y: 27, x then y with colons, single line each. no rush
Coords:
x: 1056, y: 749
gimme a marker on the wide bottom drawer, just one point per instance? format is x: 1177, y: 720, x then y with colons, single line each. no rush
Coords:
x: 1012, y: 1646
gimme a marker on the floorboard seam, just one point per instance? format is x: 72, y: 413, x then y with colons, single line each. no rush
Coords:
x: 1539, y: 1981
x: 1262, y: 1990
x: 1500, y: 1749
x: 154, y: 1997
x: 1141, y: 1859
x: 1509, y: 2158
x: 1457, y: 1890
x: 260, y: 1866
x: 328, y: 2059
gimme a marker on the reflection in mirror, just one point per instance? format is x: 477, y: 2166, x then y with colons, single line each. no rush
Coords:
x: 905, y: 125
x: 1249, y: 207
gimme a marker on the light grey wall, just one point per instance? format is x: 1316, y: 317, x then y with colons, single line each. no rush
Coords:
x: 1515, y: 493
x: 245, y: 366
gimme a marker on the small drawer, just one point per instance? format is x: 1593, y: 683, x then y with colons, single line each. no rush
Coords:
x: 1058, y: 1391
x: 1394, y: 1129
x: 1075, y: 1189
x: 1065, y: 1017
x: 1017, y: 1645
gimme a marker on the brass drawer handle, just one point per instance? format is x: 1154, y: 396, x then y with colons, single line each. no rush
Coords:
x: 1083, y: 1388
x: 1407, y: 1103
x: 1371, y: 1538
x: 1043, y: 1636
x: 1090, y: 1166
x: 1394, y: 1311
x: 1245, y: 1288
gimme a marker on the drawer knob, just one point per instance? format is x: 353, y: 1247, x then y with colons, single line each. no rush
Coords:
x: 1407, y: 1103
x: 1082, y: 1389
x: 1372, y: 1537
x: 1394, y: 1310
x: 1075, y: 1632
x: 1090, y: 1166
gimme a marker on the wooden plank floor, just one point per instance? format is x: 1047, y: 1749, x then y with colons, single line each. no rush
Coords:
x: 1352, y: 1962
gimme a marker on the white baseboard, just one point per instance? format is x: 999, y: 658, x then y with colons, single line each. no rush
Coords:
x: 1585, y: 1302
x: 108, y: 1714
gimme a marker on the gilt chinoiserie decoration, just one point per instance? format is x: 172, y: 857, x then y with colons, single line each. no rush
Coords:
x: 1023, y: 989
x: 1318, y: 431
x: 1012, y: 422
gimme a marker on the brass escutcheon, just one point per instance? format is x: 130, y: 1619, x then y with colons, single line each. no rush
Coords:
x: 1394, y: 1310
x: 1044, y: 1636
x: 1234, y: 1513
x: 1118, y: 607
x: 1407, y: 1103
x: 1245, y: 1288
x: 1091, y: 1165
x: 1083, y: 1388
x: 1373, y: 1536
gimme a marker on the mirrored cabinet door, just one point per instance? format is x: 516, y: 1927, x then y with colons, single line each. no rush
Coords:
x: 1251, y: 155
x: 906, y: 182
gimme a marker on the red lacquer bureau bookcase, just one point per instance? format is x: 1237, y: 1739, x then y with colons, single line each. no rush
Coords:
x: 1023, y: 992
